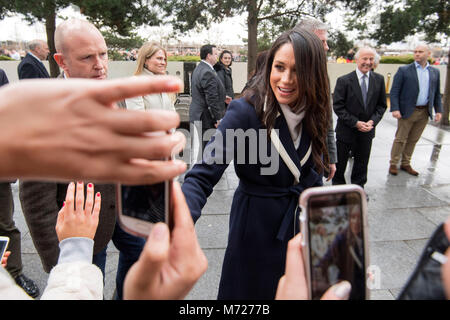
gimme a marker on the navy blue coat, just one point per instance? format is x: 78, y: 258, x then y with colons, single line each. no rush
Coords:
x: 31, y: 68
x: 263, y: 210
x: 405, y: 90
x: 3, y: 78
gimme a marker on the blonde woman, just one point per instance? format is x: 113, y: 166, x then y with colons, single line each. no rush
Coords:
x: 152, y: 61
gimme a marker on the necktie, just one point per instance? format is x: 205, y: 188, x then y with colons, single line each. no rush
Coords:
x: 364, y: 89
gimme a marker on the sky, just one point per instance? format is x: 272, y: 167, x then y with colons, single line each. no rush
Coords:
x: 231, y: 31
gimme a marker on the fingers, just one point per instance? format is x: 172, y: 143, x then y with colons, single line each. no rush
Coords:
x: 155, y: 147
x: 115, y: 90
x: 79, y: 197
x: 68, y: 204
x: 294, y: 260
x: 97, y: 207
x: 340, y: 291
x: 140, y: 171
x: 89, y: 204
x: 137, y: 122
x: 154, y: 255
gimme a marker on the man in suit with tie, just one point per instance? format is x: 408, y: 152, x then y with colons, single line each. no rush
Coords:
x: 208, y: 95
x: 31, y: 66
x: 414, y: 93
x: 359, y: 102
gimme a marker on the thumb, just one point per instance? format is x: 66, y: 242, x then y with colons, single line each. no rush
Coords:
x: 340, y: 291
x: 155, y: 253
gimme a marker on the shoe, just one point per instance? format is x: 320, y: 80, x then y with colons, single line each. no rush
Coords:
x: 27, y: 285
x: 393, y: 169
x: 410, y: 170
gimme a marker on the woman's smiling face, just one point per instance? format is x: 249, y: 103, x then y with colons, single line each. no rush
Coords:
x: 283, y: 76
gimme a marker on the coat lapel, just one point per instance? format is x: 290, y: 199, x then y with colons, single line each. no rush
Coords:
x: 286, y: 139
x: 371, y: 89
x: 356, y: 87
x: 413, y: 74
x: 431, y: 82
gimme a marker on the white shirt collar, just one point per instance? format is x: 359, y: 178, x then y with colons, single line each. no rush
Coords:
x: 360, y: 74
x: 208, y: 64
x: 31, y: 54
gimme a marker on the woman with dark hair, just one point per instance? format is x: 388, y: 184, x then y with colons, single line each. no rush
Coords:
x: 223, y: 71
x: 275, y: 136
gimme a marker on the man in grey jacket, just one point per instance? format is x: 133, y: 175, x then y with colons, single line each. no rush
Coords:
x: 208, y: 94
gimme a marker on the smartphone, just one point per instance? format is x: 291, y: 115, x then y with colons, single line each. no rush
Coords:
x: 141, y: 206
x: 4, y: 241
x: 333, y: 223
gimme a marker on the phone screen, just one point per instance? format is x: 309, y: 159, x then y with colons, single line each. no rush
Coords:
x: 144, y: 202
x: 3, y: 244
x: 336, y: 243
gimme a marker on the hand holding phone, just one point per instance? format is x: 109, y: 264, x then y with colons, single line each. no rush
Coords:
x: 4, y: 241
x: 171, y: 262
x: 334, y: 227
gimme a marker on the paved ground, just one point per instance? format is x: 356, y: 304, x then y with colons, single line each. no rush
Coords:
x: 403, y: 212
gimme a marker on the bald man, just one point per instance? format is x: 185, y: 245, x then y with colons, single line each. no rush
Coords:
x: 81, y: 53
x: 415, y: 93
x: 81, y: 50
x: 31, y: 67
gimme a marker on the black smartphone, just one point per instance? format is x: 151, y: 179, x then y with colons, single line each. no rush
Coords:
x: 335, y: 248
x: 141, y: 206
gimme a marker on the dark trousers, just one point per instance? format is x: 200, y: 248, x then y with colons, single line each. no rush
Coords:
x: 9, y: 229
x: 130, y: 248
x: 360, y: 148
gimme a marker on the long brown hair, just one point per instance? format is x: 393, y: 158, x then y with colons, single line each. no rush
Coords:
x: 313, y: 88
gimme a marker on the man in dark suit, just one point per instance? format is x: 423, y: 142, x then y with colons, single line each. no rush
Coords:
x: 9, y: 229
x: 31, y: 67
x: 81, y: 52
x: 208, y: 94
x: 414, y: 93
x: 359, y: 102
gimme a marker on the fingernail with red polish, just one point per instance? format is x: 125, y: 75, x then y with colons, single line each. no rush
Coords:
x: 90, y: 185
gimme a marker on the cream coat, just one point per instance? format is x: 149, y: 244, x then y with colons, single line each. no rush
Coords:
x: 151, y: 101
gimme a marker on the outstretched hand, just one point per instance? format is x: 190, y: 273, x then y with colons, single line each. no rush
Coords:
x: 73, y: 130
x: 78, y: 218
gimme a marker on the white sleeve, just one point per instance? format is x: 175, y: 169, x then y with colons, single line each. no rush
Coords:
x: 75, y: 277
x: 9, y: 290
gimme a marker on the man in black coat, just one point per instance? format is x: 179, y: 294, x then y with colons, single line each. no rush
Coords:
x: 359, y: 102
x: 208, y: 93
x: 31, y: 67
